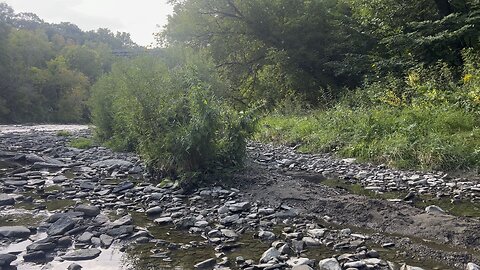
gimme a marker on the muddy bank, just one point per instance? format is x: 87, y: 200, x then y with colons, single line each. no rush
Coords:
x: 64, y: 207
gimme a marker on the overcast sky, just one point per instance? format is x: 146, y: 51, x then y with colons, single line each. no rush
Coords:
x: 139, y: 18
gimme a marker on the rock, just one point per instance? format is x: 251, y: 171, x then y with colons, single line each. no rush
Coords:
x: 292, y: 262
x: 112, y: 163
x: 106, y: 240
x: 408, y: 267
x: 223, y: 210
x: 266, y: 235
x: 6, y: 259
x: 15, y: 231
x: 88, y: 210
x: 311, y: 242
x: 6, y: 199
x: 185, y: 223
x: 61, y: 226
x: 34, y: 256
x: 157, y: 210
x: 302, y: 267
x: 44, y: 244
x: 123, y: 186
x: 316, y: 233
x: 74, y: 266
x: 433, y: 209
x: 229, y: 219
x: 207, y: 264
x: 81, y: 254
x: 163, y: 220
x: 125, y: 220
x: 85, y: 237
x: 266, y: 211
x: 271, y: 253
x: 329, y: 264
x: 229, y: 233
x: 355, y: 264
x: 59, y: 179
x: 239, y: 207
x: 472, y: 266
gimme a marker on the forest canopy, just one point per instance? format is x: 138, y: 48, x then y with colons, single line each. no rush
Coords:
x: 46, y: 70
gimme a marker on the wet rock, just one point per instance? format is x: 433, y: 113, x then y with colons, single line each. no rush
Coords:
x: 6, y: 259
x: 433, y: 209
x: 61, y: 226
x: 207, y: 264
x: 329, y: 264
x: 6, y: 199
x: 271, y: 253
x: 81, y: 254
x: 88, y: 210
x: 15, y: 231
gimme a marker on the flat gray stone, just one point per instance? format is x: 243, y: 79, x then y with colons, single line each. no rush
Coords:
x: 81, y: 254
x: 88, y: 210
x: 61, y: 226
x: 15, y: 231
x: 6, y: 199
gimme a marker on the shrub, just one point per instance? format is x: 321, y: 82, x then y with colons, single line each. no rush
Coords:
x: 167, y: 110
x: 81, y: 143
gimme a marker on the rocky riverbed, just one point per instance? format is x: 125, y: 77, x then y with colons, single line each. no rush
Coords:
x: 68, y: 208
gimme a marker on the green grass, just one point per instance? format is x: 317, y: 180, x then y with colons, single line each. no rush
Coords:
x: 433, y: 137
x: 64, y: 133
x: 82, y: 143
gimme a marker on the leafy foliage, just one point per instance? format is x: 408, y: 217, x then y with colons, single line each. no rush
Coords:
x: 46, y: 70
x: 166, y: 109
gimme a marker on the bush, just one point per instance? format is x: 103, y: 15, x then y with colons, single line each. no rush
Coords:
x: 167, y: 110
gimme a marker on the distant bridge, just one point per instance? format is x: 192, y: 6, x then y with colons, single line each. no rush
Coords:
x: 129, y: 53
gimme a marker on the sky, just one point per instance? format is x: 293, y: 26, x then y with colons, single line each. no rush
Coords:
x: 140, y: 18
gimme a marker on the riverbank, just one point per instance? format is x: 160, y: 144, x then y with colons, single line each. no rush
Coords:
x: 102, y: 210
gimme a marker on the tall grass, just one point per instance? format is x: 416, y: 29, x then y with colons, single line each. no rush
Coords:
x: 431, y: 137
